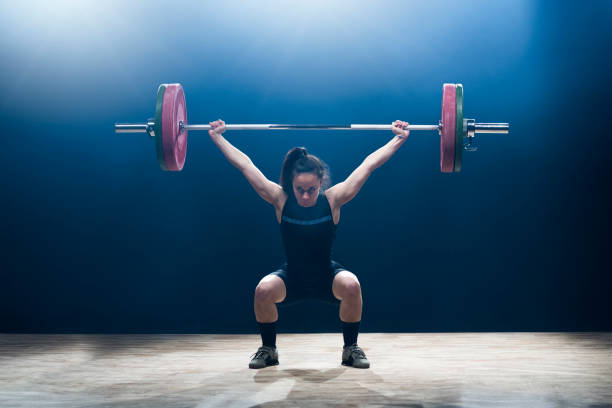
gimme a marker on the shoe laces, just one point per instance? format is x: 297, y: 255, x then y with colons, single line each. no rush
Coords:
x: 260, y: 353
x: 357, y: 352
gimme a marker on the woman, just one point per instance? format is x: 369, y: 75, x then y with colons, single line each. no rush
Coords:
x: 308, y: 213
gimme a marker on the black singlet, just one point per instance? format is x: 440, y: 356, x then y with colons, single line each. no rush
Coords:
x: 308, y: 234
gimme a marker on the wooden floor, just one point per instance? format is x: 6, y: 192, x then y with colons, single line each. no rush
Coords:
x: 408, y: 370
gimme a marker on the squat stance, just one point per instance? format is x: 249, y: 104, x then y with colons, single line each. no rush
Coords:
x: 308, y: 211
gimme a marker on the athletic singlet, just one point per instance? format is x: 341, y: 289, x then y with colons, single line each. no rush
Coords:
x: 308, y: 234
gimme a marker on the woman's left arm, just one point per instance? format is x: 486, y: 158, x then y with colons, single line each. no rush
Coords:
x: 345, y: 191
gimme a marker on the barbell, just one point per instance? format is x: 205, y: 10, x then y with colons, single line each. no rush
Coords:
x: 169, y: 128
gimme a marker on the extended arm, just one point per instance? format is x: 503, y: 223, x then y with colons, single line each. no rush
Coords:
x: 344, y: 192
x: 268, y: 190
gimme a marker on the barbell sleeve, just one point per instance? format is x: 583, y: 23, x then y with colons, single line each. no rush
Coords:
x: 130, y: 128
x: 492, y: 128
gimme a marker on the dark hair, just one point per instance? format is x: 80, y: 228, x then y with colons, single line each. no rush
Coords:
x: 297, y: 161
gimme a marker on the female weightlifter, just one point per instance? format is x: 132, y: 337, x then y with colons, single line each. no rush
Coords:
x: 308, y: 211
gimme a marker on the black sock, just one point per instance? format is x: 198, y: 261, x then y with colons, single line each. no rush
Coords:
x: 268, y: 334
x: 350, y: 332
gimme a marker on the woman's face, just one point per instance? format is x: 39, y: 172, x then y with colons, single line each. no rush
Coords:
x: 306, y: 188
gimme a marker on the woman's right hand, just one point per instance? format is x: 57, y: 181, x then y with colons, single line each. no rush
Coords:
x: 400, y: 129
x: 216, y: 128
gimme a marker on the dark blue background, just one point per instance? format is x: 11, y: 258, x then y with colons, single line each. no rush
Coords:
x: 96, y: 238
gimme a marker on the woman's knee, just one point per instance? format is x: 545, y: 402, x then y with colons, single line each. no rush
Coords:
x: 346, y: 286
x: 270, y: 289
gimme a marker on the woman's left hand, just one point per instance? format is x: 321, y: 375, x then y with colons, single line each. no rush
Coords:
x: 399, y: 128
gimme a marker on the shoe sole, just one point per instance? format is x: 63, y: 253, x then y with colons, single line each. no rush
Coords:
x: 271, y: 363
x: 350, y: 364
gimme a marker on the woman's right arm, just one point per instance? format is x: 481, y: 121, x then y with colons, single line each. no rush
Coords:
x: 268, y: 190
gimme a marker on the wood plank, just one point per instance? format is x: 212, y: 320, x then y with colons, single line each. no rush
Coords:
x: 408, y: 369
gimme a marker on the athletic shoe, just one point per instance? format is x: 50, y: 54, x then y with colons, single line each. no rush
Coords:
x: 354, y: 356
x: 264, y: 357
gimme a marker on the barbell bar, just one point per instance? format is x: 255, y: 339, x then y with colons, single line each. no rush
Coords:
x: 143, y: 128
x: 169, y: 128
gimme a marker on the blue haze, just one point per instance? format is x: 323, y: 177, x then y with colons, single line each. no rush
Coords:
x: 96, y: 238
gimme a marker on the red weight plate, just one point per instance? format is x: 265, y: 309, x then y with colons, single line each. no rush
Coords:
x: 174, y: 141
x: 449, y: 123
